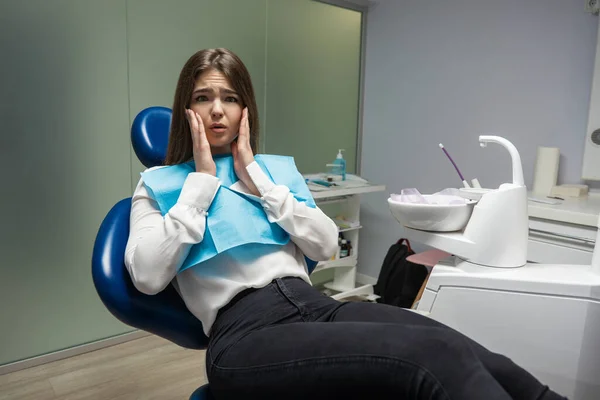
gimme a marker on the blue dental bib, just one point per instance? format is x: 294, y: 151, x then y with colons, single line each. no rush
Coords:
x: 234, y: 218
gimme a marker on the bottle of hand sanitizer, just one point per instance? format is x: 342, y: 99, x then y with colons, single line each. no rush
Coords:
x: 340, y: 165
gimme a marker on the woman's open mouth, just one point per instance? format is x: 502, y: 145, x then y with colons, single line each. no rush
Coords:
x: 218, y: 128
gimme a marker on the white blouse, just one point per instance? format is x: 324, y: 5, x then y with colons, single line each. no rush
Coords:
x: 158, y: 244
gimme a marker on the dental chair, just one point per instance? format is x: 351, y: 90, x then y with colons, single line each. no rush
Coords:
x: 165, y: 313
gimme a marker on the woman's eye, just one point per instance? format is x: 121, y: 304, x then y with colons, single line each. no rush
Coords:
x: 201, y: 98
x: 231, y: 99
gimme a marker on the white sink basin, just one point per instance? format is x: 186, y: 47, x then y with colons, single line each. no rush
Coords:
x: 432, y: 217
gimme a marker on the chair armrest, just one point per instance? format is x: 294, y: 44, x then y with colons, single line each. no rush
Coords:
x: 310, y: 264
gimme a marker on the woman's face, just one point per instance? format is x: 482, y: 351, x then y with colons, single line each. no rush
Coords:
x: 219, y: 107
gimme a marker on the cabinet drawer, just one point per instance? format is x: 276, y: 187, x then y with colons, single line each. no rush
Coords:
x: 552, y: 242
x: 546, y: 252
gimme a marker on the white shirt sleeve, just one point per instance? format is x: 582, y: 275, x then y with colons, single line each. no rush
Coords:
x: 157, y: 245
x: 309, y: 228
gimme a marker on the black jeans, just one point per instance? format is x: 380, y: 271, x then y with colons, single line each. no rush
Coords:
x: 289, y: 341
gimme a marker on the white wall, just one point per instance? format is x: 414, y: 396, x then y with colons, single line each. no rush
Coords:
x: 450, y: 71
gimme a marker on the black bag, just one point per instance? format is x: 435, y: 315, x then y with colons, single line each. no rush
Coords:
x: 400, y: 280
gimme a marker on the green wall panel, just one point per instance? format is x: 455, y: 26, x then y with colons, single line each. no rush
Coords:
x: 65, y: 156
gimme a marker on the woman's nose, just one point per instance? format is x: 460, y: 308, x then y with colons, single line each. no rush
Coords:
x: 217, y: 110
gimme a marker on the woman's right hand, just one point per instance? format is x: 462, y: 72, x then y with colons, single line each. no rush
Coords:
x: 201, y: 147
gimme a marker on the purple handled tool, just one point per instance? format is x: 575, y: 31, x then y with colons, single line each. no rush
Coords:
x: 462, y: 178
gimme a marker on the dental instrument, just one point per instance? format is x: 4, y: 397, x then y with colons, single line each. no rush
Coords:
x: 462, y: 178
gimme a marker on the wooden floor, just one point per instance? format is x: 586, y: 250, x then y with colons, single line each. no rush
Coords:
x: 146, y: 368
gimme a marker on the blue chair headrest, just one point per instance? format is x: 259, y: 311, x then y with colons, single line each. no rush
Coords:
x: 150, y: 135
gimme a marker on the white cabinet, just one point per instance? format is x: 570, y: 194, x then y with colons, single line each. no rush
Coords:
x: 342, y: 204
x: 564, y: 233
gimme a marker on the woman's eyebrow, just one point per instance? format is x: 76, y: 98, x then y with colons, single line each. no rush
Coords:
x: 211, y: 90
x: 203, y: 90
x: 229, y: 91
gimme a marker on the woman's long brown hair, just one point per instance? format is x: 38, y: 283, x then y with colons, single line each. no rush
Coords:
x: 180, y: 141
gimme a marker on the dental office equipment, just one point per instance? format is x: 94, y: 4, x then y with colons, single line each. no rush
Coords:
x: 474, y: 181
x: 444, y: 211
x: 445, y: 197
x: 320, y: 182
x: 462, y: 178
x: 432, y: 217
x: 545, y: 317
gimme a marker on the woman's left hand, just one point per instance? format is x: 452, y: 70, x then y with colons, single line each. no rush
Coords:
x: 243, y: 155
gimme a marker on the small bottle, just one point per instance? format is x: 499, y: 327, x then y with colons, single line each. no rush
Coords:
x: 344, y: 249
x: 340, y: 165
x: 336, y: 256
x: 349, y: 248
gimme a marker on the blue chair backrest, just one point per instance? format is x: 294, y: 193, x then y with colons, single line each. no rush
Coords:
x: 150, y: 135
x: 164, y: 314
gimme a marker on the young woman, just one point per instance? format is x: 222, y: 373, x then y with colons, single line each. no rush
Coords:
x: 272, y: 335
